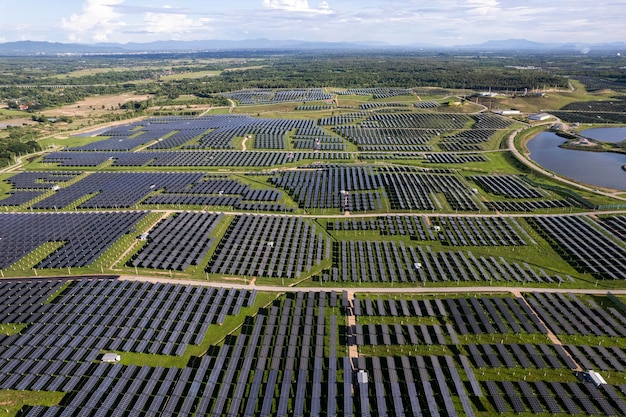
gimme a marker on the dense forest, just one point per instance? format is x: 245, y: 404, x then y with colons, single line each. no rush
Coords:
x: 85, y: 76
x: 19, y: 142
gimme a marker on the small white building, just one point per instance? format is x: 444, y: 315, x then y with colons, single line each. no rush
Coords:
x: 508, y: 112
x: 539, y: 117
x: 595, y: 377
x: 361, y: 377
x: 111, y: 358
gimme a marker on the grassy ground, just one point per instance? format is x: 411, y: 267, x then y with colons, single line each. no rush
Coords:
x: 7, y: 114
x: 70, y: 141
x: 190, y: 75
x: 5, y: 187
x: 214, y: 336
x: 9, y: 329
x: 12, y: 401
x: 551, y: 101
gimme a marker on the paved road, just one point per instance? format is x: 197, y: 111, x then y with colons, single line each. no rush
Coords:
x: 376, y: 290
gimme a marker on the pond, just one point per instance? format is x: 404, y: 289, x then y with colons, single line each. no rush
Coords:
x: 606, y: 134
x: 603, y: 169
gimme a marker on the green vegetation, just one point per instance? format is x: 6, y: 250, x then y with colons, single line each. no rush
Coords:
x: 16, y: 145
x: 12, y: 401
x: 215, y: 336
x: 11, y: 328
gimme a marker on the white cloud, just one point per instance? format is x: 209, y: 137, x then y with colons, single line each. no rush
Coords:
x: 297, y: 6
x: 483, y: 7
x: 97, y: 21
x: 167, y: 23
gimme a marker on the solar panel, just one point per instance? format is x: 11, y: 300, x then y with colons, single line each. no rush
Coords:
x: 477, y: 357
x: 577, y: 354
x: 410, y: 386
x: 513, y: 397
x: 549, y: 356
x: 552, y: 405
x: 364, y: 399
x: 494, y: 362
x: 494, y: 393
x: 616, y: 399
x: 427, y: 388
x: 565, y: 398
x: 520, y: 356
x: 443, y: 387
x: 477, y: 391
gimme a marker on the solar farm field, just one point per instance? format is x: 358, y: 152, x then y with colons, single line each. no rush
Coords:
x: 415, y: 187
x: 308, y: 352
x: 387, y: 257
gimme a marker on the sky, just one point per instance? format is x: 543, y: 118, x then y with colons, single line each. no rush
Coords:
x: 396, y: 22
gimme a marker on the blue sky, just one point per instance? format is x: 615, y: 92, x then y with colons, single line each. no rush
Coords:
x: 399, y: 22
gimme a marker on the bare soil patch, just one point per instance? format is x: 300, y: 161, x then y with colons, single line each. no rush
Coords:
x: 96, y: 105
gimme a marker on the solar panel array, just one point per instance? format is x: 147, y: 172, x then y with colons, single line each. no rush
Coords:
x: 190, y: 158
x: 477, y: 231
x: 56, y: 352
x: 571, y: 398
x: 415, y: 385
x: 86, y: 236
x: 581, y: 242
x: 177, y: 242
x: 348, y: 188
x: 377, y: 92
x: 568, y: 314
x: 414, y: 191
x: 507, y: 185
x: 283, y: 361
x: 126, y: 189
x: 388, y: 261
x: 453, y: 158
x: 119, y: 143
x: 30, y: 180
x: 17, y: 198
x: 269, y: 96
x: 342, y: 119
x: 19, y: 301
x: 268, y: 246
x: 416, y: 227
x: 390, y: 139
x: 116, y: 189
x: 515, y: 355
x: 125, y: 317
x: 528, y: 206
x: 616, y: 224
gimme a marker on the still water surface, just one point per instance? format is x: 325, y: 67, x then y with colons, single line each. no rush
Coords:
x: 606, y: 134
x: 603, y: 169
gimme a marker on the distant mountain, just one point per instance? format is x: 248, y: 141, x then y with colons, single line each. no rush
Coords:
x: 511, y: 44
x: 221, y: 45
x: 530, y: 46
x: 52, y: 48
x: 522, y: 45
